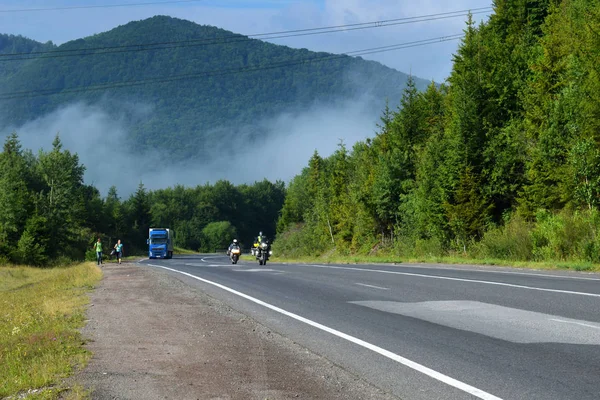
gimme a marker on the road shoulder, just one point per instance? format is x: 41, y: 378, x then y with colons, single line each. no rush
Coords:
x: 154, y: 336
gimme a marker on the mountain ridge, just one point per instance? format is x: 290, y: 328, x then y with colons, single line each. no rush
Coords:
x: 187, y: 110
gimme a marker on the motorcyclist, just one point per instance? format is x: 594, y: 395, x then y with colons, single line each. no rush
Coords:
x: 233, y: 243
x: 261, y: 239
x: 257, y: 241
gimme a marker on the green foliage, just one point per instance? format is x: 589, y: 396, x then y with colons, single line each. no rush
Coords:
x: 567, y: 235
x: 512, y: 241
x: 217, y: 236
x: 33, y: 246
x: 50, y: 215
x: 584, y: 160
x: 467, y: 214
x: 501, y: 162
x: 15, y: 200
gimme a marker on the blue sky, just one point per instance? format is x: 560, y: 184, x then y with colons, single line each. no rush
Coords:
x: 248, y: 17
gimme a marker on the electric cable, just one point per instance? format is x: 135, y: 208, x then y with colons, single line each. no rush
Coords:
x: 59, y: 53
x: 202, y: 74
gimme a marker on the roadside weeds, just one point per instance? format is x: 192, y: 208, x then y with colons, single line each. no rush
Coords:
x: 40, y: 341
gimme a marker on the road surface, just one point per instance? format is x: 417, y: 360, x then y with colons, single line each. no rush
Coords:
x: 424, y: 332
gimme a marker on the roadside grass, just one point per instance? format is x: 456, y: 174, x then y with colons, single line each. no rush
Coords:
x: 41, y: 312
x: 456, y: 260
x: 181, y: 250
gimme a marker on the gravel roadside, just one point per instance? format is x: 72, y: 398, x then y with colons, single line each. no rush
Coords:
x: 155, y: 337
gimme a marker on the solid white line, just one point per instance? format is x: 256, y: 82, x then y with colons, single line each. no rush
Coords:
x: 459, y: 280
x: 575, y: 323
x: 404, y: 361
x: 497, y: 272
x: 372, y: 286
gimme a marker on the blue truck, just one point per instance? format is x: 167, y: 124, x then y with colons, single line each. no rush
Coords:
x: 160, y: 243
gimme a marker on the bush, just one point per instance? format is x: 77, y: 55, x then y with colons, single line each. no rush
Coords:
x: 4, y: 260
x: 418, y: 248
x: 30, y: 250
x: 298, y: 241
x: 217, y: 236
x: 90, y: 255
x: 432, y: 247
x: 566, y: 235
x: 509, y: 242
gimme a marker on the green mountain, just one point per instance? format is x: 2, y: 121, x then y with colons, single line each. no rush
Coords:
x: 192, y: 88
x: 11, y: 44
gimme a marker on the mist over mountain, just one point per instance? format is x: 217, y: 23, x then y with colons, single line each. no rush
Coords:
x: 163, y: 100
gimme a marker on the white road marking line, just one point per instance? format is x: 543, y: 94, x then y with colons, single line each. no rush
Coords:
x: 204, y: 265
x: 204, y: 258
x: 575, y: 323
x: 372, y: 286
x: 254, y: 270
x: 499, y: 272
x: 392, y: 356
x: 459, y: 280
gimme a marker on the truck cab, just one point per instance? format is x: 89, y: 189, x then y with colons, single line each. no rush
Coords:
x: 160, y: 243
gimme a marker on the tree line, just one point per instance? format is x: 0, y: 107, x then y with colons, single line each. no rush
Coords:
x: 502, y: 160
x: 48, y: 215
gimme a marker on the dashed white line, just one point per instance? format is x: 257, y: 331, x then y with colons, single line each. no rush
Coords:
x: 372, y: 286
x: 386, y: 353
x: 448, y: 278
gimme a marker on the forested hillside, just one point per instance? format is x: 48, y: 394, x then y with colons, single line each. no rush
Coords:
x: 503, y: 161
x: 49, y: 215
x: 11, y: 44
x: 190, y: 91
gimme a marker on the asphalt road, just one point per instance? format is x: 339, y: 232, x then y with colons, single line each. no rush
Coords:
x: 425, y: 332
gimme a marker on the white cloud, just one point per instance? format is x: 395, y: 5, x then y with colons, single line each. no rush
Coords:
x: 100, y: 140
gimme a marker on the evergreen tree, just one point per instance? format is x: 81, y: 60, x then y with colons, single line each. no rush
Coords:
x: 59, y: 202
x: 16, y: 202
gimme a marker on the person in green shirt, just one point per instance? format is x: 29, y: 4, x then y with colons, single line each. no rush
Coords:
x: 98, y: 248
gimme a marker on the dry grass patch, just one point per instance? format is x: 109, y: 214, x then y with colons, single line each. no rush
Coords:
x: 41, y: 312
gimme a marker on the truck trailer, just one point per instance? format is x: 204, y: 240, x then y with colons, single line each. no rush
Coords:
x: 160, y: 243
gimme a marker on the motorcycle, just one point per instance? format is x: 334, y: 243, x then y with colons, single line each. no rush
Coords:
x: 262, y: 253
x: 234, y: 254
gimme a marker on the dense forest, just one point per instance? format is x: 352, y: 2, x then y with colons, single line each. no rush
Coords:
x: 502, y: 161
x: 183, y: 116
x: 49, y: 215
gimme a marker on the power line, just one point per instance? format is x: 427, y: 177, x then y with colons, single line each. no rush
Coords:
x: 147, y: 3
x: 203, y: 74
x: 234, y: 38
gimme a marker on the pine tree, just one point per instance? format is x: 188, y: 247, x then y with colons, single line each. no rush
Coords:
x: 16, y: 202
x: 59, y: 202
